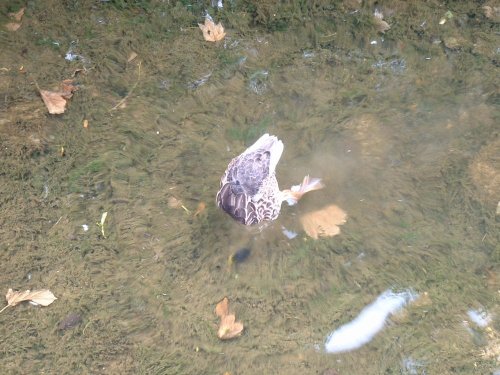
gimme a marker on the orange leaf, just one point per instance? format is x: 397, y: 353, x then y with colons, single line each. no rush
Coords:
x: 211, y: 31
x: 17, y: 15
x: 229, y: 328
x: 67, y: 88
x: 324, y: 222
x: 12, y: 26
x: 222, y: 308
x: 200, y: 209
x: 54, y: 101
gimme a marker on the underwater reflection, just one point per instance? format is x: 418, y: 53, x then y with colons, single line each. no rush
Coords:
x: 369, y: 322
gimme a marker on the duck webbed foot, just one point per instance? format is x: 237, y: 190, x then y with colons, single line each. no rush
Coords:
x: 296, y: 192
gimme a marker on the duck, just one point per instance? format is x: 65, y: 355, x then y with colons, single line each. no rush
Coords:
x: 249, y: 190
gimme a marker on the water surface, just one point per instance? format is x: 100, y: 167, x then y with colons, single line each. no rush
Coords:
x: 402, y: 127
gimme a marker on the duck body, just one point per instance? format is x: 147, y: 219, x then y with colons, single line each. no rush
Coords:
x: 249, y: 191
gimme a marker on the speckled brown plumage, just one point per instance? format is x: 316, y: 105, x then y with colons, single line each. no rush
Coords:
x: 249, y: 191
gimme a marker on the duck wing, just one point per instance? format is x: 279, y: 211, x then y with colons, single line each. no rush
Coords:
x: 238, y: 205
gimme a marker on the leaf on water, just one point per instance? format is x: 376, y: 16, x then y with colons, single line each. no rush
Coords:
x: 211, y: 31
x: 324, y: 222
x: 42, y: 297
x: 229, y: 328
x: 55, y: 101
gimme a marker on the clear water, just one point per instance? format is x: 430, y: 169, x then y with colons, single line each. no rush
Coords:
x: 402, y: 129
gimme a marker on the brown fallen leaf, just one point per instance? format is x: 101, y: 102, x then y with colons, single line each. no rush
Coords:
x: 211, y: 31
x: 12, y: 26
x: 77, y: 71
x: 222, y: 308
x: 55, y: 101
x: 132, y: 56
x: 200, y: 209
x: 67, y: 88
x: 229, y: 328
x: 42, y: 297
x: 17, y: 16
x: 173, y: 202
x: 324, y: 222
x: 380, y: 24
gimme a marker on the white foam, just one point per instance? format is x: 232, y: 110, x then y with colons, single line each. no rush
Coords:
x: 368, y: 323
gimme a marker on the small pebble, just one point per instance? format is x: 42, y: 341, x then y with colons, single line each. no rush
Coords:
x: 71, y: 321
x: 240, y: 256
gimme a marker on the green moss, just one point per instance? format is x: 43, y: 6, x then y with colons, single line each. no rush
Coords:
x: 75, y: 177
x: 251, y: 133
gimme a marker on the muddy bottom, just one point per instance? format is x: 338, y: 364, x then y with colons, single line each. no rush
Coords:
x: 401, y: 124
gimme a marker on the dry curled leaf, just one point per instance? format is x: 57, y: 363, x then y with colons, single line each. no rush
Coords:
x: 324, y: 222
x: 55, y: 101
x: 42, y: 297
x: 229, y: 328
x: 68, y: 88
x: 211, y: 31
x: 380, y: 24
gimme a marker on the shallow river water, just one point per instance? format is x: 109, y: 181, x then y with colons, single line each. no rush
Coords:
x: 401, y: 125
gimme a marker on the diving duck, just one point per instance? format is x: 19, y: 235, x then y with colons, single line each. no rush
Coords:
x: 249, y: 190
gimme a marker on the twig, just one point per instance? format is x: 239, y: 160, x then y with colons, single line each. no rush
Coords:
x: 131, y: 90
x: 86, y: 325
